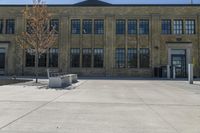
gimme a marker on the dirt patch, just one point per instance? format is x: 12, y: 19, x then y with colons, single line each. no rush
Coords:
x: 11, y: 81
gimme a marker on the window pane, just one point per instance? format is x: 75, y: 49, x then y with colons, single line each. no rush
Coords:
x: 53, y: 57
x: 120, y: 26
x: 166, y: 26
x: 54, y: 24
x: 42, y: 60
x: 178, y: 27
x: 132, y: 57
x: 75, y: 26
x: 87, y: 57
x: 132, y: 26
x: 87, y: 26
x: 10, y: 26
x: 120, y: 58
x: 98, y: 57
x: 99, y: 26
x: 144, y: 26
x: 1, y: 26
x: 190, y: 26
x: 144, y: 58
x: 75, y: 57
x: 30, y: 59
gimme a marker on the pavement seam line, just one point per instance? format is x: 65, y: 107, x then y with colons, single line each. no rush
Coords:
x: 149, y: 106
x: 37, y: 108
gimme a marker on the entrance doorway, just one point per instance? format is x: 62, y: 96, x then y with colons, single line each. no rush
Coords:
x: 178, y: 60
x: 2, y: 59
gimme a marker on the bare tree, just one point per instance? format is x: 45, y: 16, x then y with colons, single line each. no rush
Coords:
x: 38, y: 38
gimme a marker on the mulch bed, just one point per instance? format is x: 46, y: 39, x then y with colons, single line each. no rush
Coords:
x: 11, y: 81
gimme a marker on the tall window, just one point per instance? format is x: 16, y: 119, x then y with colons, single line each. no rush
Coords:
x: 98, y: 57
x: 42, y: 60
x: 53, y: 57
x: 132, y: 26
x: 190, y: 26
x: 144, y: 26
x: 2, y: 58
x: 29, y: 29
x: 99, y: 26
x: 166, y: 26
x: 30, y: 59
x: 87, y: 57
x: 54, y: 24
x: 144, y: 58
x: 87, y: 26
x: 120, y: 26
x: 178, y: 27
x: 1, y: 26
x: 75, y: 57
x: 120, y: 58
x: 132, y: 57
x: 10, y: 26
x: 75, y: 26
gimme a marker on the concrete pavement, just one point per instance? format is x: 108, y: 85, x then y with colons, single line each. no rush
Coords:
x: 101, y: 106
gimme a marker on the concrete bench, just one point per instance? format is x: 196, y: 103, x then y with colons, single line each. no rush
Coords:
x: 60, y: 80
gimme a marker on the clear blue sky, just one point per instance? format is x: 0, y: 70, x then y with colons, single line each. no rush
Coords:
x: 110, y: 1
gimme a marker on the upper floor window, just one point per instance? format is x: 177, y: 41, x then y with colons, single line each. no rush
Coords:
x: 166, y: 26
x: 87, y: 26
x: 99, y: 26
x: 54, y: 24
x: 53, y: 57
x: 132, y: 26
x: 29, y: 28
x: 178, y: 27
x: 120, y: 58
x: 144, y: 26
x: 132, y: 57
x: 75, y: 26
x: 144, y: 58
x: 1, y: 26
x: 190, y: 26
x: 98, y: 57
x: 10, y: 26
x: 120, y: 26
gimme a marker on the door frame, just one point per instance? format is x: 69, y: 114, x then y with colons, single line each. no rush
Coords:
x: 182, y: 56
x: 187, y: 46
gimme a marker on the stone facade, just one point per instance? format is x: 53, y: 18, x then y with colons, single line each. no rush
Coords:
x: 158, y: 44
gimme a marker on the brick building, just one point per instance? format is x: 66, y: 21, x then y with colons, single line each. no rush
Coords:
x: 96, y: 38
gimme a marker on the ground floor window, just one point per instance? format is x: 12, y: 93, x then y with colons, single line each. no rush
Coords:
x: 87, y: 57
x: 75, y: 57
x: 53, y: 57
x: 132, y: 57
x: 30, y: 58
x: 120, y: 58
x: 98, y: 57
x: 144, y: 58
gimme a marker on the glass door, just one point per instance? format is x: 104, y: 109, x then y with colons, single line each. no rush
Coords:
x: 179, y: 61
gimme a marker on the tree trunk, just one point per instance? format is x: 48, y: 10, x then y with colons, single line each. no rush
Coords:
x: 36, y: 66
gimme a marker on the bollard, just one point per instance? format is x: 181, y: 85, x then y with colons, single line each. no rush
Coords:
x: 190, y: 73
x: 168, y: 72
x: 174, y: 72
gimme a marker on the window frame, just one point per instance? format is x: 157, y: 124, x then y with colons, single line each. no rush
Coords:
x: 87, y: 26
x: 166, y: 27
x: 120, y: 26
x: 144, y: 53
x: 98, y: 54
x: 144, y: 26
x: 74, y: 53
x: 75, y: 26
x: 178, y: 27
x: 120, y: 58
x: 99, y: 26
x: 132, y: 26
x: 10, y: 26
